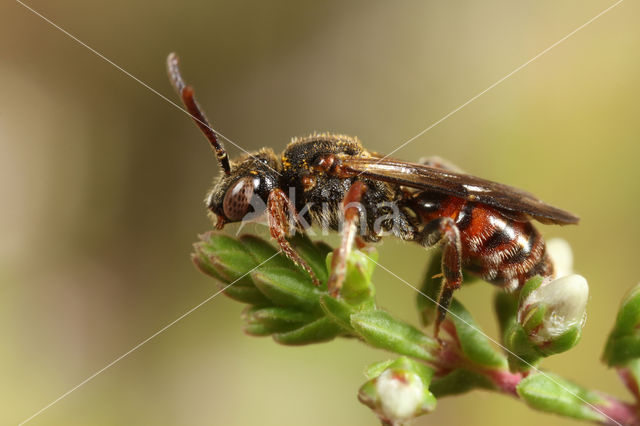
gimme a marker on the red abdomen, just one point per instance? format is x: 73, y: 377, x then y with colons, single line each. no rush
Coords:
x: 495, y: 247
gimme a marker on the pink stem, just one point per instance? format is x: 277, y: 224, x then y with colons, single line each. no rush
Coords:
x: 618, y: 412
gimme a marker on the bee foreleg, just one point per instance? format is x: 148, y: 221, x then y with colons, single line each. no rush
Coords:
x: 351, y: 212
x: 444, y: 231
x: 279, y: 210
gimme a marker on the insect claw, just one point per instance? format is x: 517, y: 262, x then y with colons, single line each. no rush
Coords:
x: 220, y: 222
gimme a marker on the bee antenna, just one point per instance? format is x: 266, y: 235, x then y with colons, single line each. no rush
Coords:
x: 188, y: 99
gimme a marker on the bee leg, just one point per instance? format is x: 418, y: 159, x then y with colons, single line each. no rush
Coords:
x: 444, y: 231
x: 349, y: 236
x: 279, y: 207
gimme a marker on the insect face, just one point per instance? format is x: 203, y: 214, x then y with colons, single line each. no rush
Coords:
x: 243, y: 193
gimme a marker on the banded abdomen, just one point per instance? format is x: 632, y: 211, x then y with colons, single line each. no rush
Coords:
x: 495, y: 246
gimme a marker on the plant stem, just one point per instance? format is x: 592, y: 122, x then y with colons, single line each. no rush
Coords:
x: 449, y: 357
x: 619, y: 412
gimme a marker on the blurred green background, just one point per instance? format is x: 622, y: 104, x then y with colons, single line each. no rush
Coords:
x: 102, y: 182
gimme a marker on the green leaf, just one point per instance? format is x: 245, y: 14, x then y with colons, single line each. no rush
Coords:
x: 287, y: 287
x: 430, y: 290
x: 381, y: 330
x: 621, y: 350
x: 272, y: 319
x: 553, y: 394
x: 261, y: 250
x: 407, y: 364
x: 564, y: 342
x: 227, y: 261
x: 532, y: 284
x: 460, y: 381
x: 375, y: 369
x: 623, y: 344
x: 258, y: 330
x: 357, y: 287
x: 244, y: 294
x: 474, y: 344
x: 534, y: 319
x: 522, y: 354
x: 338, y: 310
x: 313, y: 254
x: 320, y: 330
x: 506, y: 307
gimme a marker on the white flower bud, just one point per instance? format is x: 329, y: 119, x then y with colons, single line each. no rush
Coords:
x: 401, y: 394
x: 561, y: 255
x: 565, y: 302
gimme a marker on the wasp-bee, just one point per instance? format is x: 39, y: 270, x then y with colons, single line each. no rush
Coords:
x: 483, y: 227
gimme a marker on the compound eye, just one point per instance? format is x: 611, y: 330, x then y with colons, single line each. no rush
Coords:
x: 237, y: 200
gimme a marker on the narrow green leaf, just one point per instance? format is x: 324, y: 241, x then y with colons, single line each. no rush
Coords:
x: 272, y: 319
x: 250, y: 295
x: 287, y: 287
x: 338, y: 310
x: 629, y: 313
x: 321, y: 330
x: 357, y: 287
x: 522, y: 354
x: 553, y: 394
x: 506, y: 307
x: 258, y: 330
x: 623, y: 344
x: 381, y: 330
x: 374, y: 370
x: 402, y: 363
x: 475, y: 345
x: 223, y: 259
x: 621, y: 350
x: 261, y: 250
x: 216, y: 241
x: 423, y: 371
x: 460, y: 381
x: 313, y: 254
x: 564, y: 342
x: 531, y: 285
x: 430, y: 290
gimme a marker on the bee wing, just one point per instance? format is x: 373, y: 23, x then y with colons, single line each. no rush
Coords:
x: 457, y: 184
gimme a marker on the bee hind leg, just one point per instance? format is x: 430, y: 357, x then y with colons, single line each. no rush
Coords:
x: 351, y: 208
x: 443, y: 231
